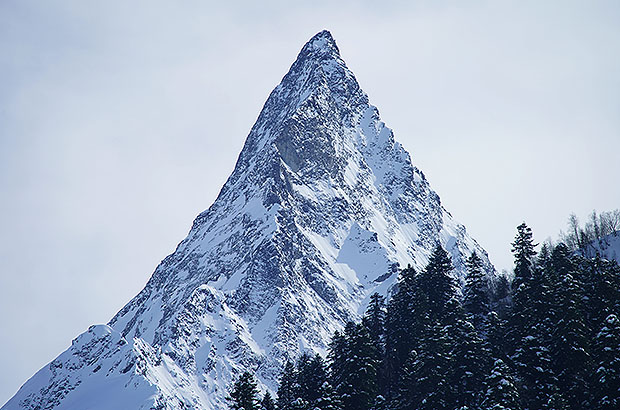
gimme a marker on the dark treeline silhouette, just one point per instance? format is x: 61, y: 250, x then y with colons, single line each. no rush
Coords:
x: 548, y: 340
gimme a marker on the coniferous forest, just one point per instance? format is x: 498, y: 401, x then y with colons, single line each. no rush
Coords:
x: 547, y: 339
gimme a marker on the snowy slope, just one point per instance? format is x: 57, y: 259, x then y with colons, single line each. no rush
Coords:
x: 321, y: 210
x: 607, y: 247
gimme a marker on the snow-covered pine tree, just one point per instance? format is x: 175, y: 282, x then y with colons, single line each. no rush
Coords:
x: 426, y: 384
x: 530, y: 292
x: 476, y: 292
x: 570, y: 347
x: 401, y: 328
x: 529, y: 329
x: 267, y: 403
x: 302, y: 375
x: 286, y: 389
x: 337, y: 359
x: 312, y: 382
x: 601, y: 281
x: 418, y: 320
x: 328, y: 400
x: 357, y: 388
x: 501, y: 390
x: 537, y: 381
x: 495, y: 329
x: 606, y: 388
x: 244, y: 395
x: 374, y: 321
x: 436, y: 282
x: 501, y: 296
x: 299, y: 404
x: 470, y: 364
x: 404, y: 396
x: 523, y: 250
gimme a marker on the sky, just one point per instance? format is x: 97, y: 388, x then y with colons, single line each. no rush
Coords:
x: 120, y: 122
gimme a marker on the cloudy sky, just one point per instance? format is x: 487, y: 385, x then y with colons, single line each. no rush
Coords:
x: 120, y: 122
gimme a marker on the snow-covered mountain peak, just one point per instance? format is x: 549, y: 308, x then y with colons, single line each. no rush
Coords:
x: 322, y: 44
x: 317, y: 83
x: 321, y: 210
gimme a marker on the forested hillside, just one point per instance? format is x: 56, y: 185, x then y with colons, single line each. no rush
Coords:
x: 549, y: 339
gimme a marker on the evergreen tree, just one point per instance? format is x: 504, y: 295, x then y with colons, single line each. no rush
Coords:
x: 436, y: 282
x: 470, y: 364
x: 501, y: 392
x: 287, y: 392
x: 426, y: 380
x: 601, y: 282
x: 314, y: 387
x: 328, y: 399
x: 374, y: 321
x: 417, y: 319
x: 530, y: 293
x: 405, y: 398
x: 523, y: 250
x: 569, y: 342
x: 244, y: 395
x: 501, y: 296
x: 381, y: 403
x: 304, y: 381
x: 267, y: 403
x: 495, y: 329
x: 476, y: 291
x: 470, y: 359
x: 607, y: 375
x: 358, y: 388
x: 401, y: 327
x: 544, y: 256
x: 299, y: 404
x: 339, y: 351
x: 538, y: 383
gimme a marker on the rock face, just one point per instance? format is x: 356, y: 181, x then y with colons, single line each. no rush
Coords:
x: 322, y: 209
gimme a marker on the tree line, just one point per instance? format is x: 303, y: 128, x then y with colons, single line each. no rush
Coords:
x: 595, y: 229
x: 550, y: 339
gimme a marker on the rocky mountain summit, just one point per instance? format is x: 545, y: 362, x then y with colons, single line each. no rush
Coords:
x: 321, y: 210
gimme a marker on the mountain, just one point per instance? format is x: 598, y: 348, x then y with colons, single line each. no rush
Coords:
x: 607, y: 247
x: 321, y: 210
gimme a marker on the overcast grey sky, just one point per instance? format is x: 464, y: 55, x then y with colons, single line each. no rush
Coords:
x: 120, y: 122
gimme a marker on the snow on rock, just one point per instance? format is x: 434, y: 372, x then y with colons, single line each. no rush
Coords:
x: 322, y: 209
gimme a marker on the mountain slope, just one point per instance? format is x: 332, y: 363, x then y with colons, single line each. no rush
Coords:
x: 321, y: 210
x: 607, y: 247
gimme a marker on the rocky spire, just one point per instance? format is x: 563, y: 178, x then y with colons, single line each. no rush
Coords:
x: 322, y: 208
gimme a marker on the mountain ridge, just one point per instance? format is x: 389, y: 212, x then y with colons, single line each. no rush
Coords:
x: 321, y: 210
